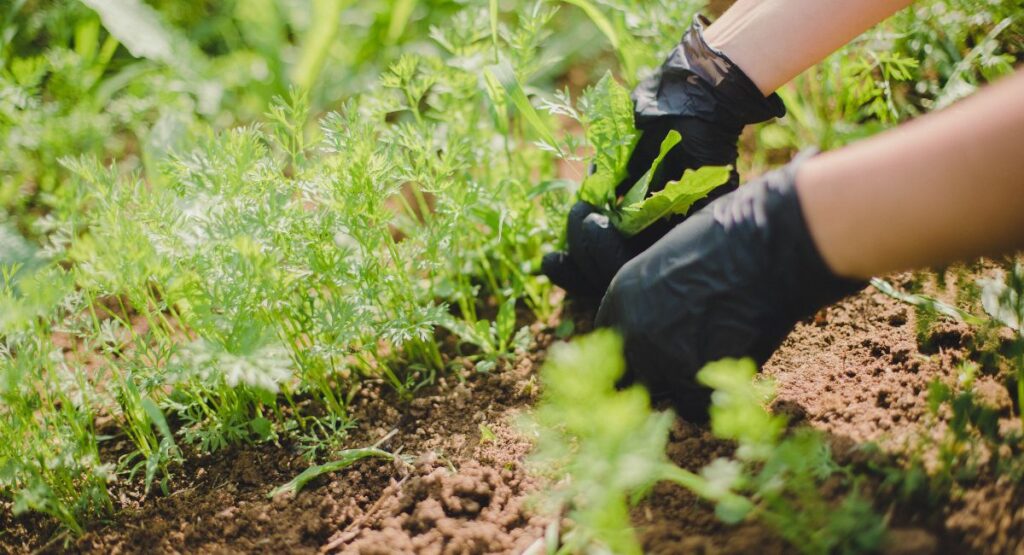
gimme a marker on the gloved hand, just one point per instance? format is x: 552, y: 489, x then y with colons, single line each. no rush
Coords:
x: 701, y: 94
x: 731, y: 281
x: 596, y: 252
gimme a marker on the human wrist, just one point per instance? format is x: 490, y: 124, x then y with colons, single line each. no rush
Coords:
x: 823, y: 208
x: 697, y: 80
x: 803, y: 277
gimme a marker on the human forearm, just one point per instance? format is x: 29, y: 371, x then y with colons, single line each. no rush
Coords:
x: 945, y: 187
x: 773, y: 41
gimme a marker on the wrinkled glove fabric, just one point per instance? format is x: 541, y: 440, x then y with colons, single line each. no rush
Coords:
x: 730, y: 281
x: 701, y: 94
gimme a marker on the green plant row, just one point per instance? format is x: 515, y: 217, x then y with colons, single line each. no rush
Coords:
x: 244, y: 289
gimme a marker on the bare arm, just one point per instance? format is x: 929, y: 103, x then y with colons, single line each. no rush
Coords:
x: 945, y: 187
x: 773, y: 41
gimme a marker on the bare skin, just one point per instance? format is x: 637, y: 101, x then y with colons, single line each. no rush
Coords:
x: 948, y: 186
x: 773, y: 41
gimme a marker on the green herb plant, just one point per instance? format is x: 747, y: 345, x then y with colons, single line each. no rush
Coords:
x: 605, y: 449
x: 243, y: 286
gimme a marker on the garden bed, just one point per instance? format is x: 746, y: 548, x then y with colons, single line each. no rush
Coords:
x: 855, y: 371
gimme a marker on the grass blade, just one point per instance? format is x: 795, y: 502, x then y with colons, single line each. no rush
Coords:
x: 506, y: 76
x: 619, y: 43
x: 317, y: 42
x: 928, y: 304
x: 348, y: 458
x: 601, y: 21
x: 494, y: 27
x: 401, y: 14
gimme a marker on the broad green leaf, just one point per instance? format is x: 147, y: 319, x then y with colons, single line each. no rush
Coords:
x: 676, y: 198
x: 639, y: 191
x: 598, y: 188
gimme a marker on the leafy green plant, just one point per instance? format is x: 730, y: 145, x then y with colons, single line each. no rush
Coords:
x: 606, y: 112
x: 608, y: 444
x: 193, y: 279
x: 605, y: 449
x: 49, y: 447
x: 243, y: 288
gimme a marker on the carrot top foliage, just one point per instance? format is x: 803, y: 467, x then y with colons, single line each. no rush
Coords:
x: 242, y: 283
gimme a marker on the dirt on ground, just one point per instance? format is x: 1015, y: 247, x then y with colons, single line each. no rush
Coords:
x: 460, y: 486
x: 855, y: 371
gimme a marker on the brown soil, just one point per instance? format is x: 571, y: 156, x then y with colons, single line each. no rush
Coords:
x: 855, y: 371
x: 858, y: 373
x: 460, y: 493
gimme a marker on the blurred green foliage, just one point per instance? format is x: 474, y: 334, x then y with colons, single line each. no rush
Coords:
x: 605, y: 461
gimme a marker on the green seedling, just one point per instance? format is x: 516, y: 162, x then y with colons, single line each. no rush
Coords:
x: 346, y: 459
x: 606, y: 449
x: 1002, y: 301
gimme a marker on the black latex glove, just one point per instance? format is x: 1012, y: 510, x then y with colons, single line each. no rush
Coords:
x: 596, y: 252
x: 730, y: 281
x: 701, y: 94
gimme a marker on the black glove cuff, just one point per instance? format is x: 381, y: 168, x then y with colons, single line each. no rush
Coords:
x: 804, y: 281
x: 698, y: 81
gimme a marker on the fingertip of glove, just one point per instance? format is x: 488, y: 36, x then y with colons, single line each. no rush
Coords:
x: 579, y: 212
x: 562, y: 271
x: 553, y: 264
x: 596, y: 222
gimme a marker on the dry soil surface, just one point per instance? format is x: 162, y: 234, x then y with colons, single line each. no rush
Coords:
x: 854, y: 371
